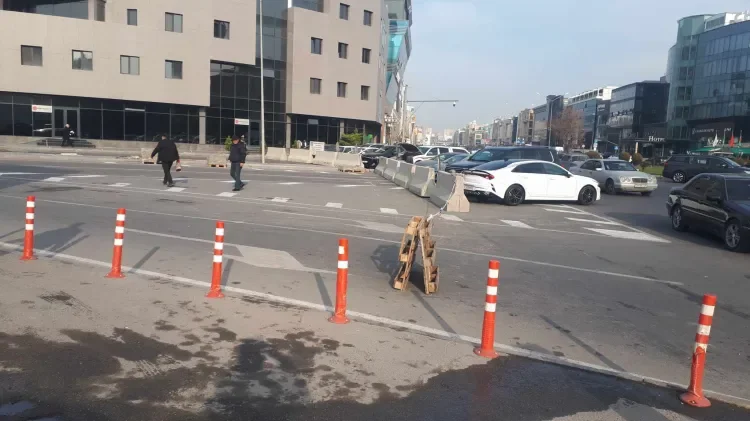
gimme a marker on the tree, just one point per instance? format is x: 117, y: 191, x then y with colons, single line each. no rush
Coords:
x: 567, y: 129
x: 351, y: 139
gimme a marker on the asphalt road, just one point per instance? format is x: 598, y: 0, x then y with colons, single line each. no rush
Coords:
x: 609, y: 285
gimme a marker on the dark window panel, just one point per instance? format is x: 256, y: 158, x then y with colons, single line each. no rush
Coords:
x: 6, y: 97
x: 193, y: 129
x: 227, y: 103
x: 213, y: 112
x: 254, y: 88
x: 241, y: 104
x: 179, y: 128
x: 156, y: 126
x: 242, y: 86
x: 22, y: 117
x: 227, y: 81
x: 112, y: 104
x: 213, y: 131
x: 91, y: 124
x: 6, y: 119
x: 65, y: 101
x: 254, y: 105
x: 91, y: 103
x: 112, y: 125
x: 153, y: 107
x: 42, y: 125
x: 21, y: 99
x: 41, y: 100
x: 227, y: 128
x: 215, y: 78
x: 135, y: 125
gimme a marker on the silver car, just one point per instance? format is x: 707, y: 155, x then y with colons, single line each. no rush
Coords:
x: 443, y: 160
x: 617, y: 176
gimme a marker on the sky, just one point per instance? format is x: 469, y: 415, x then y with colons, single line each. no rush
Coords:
x: 497, y: 57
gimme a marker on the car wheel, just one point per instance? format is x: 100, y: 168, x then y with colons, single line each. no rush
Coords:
x: 678, y: 177
x: 733, y: 238
x: 514, y: 195
x: 609, y: 187
x: 678, y: 220
x: 587, y: 196
x: 646, y: 193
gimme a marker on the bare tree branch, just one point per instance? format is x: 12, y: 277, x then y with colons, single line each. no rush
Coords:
x: 567, y: 129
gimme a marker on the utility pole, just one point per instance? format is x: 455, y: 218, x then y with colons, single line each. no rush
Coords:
x: 262, y: 94
x: 404, y: 117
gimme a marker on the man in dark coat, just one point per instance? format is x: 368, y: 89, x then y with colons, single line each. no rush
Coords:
x: 237, y: 154
x: 66, y: 136
x: 168, y: 154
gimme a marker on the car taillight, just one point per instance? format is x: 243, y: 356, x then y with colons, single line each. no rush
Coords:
x: 489, y: 176
x: 665, y: 164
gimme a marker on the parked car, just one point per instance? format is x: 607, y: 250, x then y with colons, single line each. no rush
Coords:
x: 348, y: 149
x: 402, y: 151
x: 515, y: 181
x: 617, y: 176
x: 571, y: 160
x: 430, y: 151
x: 504, y: 153
x: 717, y: 203
x: 443, y: 160
x: 681, y: 168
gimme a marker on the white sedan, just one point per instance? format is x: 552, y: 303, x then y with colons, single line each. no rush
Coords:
x: 516, y: 181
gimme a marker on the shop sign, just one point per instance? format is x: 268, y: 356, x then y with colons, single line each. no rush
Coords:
x: 41, y: 109
x: 241, y: 122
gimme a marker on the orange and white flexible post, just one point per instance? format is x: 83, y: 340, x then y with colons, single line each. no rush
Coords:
x: 116, y: 271
x: 215, y: 291
x: 694, y: 394
x: 487, y: 347
x: 342, y: 281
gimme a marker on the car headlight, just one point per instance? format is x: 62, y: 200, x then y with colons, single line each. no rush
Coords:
x: 651, y: 179
x: 747, y: 172
x: 625, y: 180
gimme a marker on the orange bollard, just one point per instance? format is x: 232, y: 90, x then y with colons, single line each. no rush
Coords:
x: 215, y: 291
x: 28, y: 239
x: 116, y: 271
x: 694, y: 394
x: 487, y: 348
x: 342, y: 280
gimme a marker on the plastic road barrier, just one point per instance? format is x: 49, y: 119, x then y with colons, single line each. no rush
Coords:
x: 28, y: 239
x: 116, y: 271
x: 694, y: 395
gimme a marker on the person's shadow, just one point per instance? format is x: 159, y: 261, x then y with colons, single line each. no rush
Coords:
x: 61, y: 239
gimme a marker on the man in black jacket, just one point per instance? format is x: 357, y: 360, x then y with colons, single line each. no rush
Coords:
x: 66, y: 136
x: 237, y: 154
x: 168, y: 154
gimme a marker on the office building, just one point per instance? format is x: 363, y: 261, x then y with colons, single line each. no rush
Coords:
x: 134, y: 70
x: 504, y: 131
x: 543, y: 116
x: 525, y: 123
x: 637, y: 116
x: 707, y: 70
x: 587, y: 106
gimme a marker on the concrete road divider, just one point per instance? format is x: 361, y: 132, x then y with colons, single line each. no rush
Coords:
x: 277, y: 154
x: 348, y: 161
x: 448, y: 192
x: 420, y: 181
x: 391, y: 168
x: 217, y: 160
x: 146, y: 156
x: 300, y: 156
x: 403, y: 174
x: 381, y: 166
x: 324, y: 157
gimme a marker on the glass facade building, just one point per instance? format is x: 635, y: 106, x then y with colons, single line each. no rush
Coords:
x: 634, y: 111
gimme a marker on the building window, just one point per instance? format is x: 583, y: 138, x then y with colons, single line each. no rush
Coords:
x: 367, y: 18
x: 172, y: 22
x: 344, y: 11
x: 221, y: 29
x: 172, y: 69
x: 316, y: 45
x: 365, y: 55
x: 31, y: 56
x: 365, y: 92
x: 83, y: 60
x: 315, y: 85
x: 341, y: 90
x: 130, y: 65
x: 99, y: 10
x: 133, y: 17
x: 343, y: 50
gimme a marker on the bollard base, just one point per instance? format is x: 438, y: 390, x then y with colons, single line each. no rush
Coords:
x: 25, y: 258
x: 215, y: 293
x: 115, y: 275
x: 486, y: 353
x: 690, y: 398
x: 339, y: 320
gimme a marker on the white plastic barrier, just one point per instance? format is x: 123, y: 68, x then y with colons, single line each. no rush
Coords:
x: 403, y: 175
x: 448, y: 192
x: 421, y: 180
x: 276, y: 154
x: 348, y: 160
x: 324, y: 157
x: 381, y: 166
x: 391, y: 168
x: 301, y: 156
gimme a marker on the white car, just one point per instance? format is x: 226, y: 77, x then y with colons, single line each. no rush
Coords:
x: 515, y: 181
x: 430, y: 151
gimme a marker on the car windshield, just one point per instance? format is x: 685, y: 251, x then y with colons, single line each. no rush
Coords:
x: 738, y: 189
x: 456, y: 158
x: 486, y: 155
x: 576, y: 158
x: 731, y: 163
x: 423, y: 149
x: 619, y: 166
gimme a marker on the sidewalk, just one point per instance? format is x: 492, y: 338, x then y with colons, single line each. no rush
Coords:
x: 77, y: 346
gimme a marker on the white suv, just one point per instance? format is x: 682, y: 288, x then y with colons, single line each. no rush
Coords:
x: 430, y: 151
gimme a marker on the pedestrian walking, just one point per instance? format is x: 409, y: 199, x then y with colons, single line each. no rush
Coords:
x: 66, y: 136
x: 168, y: 154
x: 237, y: 154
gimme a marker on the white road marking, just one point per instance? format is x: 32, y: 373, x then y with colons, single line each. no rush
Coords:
x: 69, y: 154
x: 290, y: 183
x: 389, y: 322
x: 54, y: 179
x: 18, y: 173
x: 389, y: 211
x: 110, y: 162
x: 362, y: 237
x: 281, y: 199
x: 594, y: 221
x: 176, y: 189
x: 396, y: 188
x: 517, y: 224
x: 630, y: 235
x: 227, y: 194
x: 290, y: 170
x: 564, y: 211
x: 448, y: 217
x: 352, y: 185
x: 382, y: 227
x: 334, y: 205
x: 119, y: 185
x: 86, y: 176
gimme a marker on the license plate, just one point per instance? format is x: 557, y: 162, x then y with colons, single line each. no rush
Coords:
x: 640, y: 186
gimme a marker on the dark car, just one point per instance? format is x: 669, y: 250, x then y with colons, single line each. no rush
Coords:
x: 716, y: 203
x: 502, y: 153
x: 402, y: 151
x: 681, y: 168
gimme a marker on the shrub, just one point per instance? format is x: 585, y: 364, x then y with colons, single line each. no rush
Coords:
x: 228, y: 143
x: 594, y: 155
x: 637, y: 159
x: 625, y: 156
